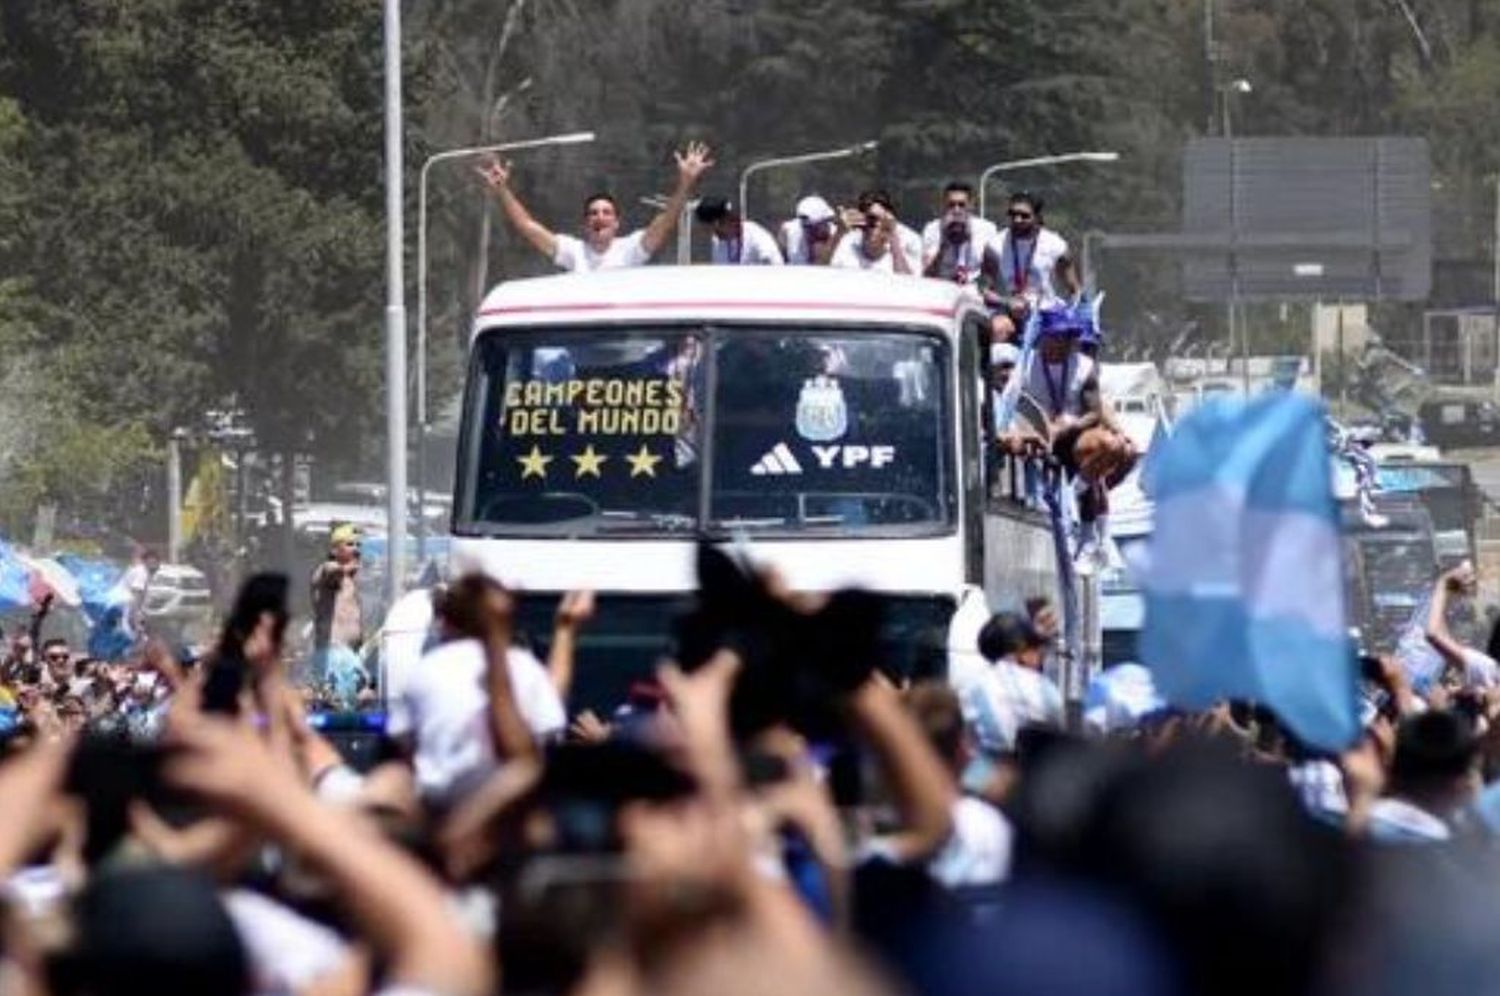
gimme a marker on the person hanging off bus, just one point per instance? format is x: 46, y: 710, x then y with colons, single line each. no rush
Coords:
x: 1020, y: 263
x: 602, y: 247
x: 1074, y: 425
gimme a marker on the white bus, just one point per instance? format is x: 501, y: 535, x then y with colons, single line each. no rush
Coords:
x: 829, y: 421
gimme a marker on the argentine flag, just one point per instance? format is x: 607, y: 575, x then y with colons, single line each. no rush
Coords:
x: 1244, y: 582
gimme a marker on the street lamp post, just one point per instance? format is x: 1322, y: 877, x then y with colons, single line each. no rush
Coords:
x: 762, y: 165
x: 1057, y: 160
x: 1228, y: 91
x: 571, y: 138
x: 684, y: 228
x: 395, y: 315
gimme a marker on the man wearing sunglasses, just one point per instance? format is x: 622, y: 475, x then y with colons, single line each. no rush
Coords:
x: 1020, y: 262
x: 953, y: 245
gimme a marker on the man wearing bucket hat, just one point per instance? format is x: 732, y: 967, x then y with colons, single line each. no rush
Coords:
x: 338, y: 616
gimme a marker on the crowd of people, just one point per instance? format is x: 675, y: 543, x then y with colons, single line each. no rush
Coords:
x: 776, y: 811
x: 1023, y: 267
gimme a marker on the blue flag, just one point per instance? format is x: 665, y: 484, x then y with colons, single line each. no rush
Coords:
x: 1244, y: 582
x: 15, y: 580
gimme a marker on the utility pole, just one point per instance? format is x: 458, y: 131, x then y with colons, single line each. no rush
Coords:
x: 174, y: 496
x: 395, y: 317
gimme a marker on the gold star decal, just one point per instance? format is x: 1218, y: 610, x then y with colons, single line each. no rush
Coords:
x: 534, y: 464
x: 588, y: 462
x: 643, y: 462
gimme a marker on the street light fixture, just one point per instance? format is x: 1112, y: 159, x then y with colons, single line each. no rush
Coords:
x: 570, y: 138
x: 1057, y: 160
x: 846, y: 152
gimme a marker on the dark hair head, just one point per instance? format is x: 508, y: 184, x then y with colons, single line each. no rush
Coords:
x: 1036, y: 603
x: 872, y: 197
x: 936, y: 708
x: 1006, y: 633
x: 712, y: 210
x: 53, y: 641
x: 151, y: 553
x: 1434, y: 746
x: 1029, y: 199
x: 600, y: 195
x: 260, y: 594
x: 958, y: 187
x: 461, y: 604
x: 155, y: 929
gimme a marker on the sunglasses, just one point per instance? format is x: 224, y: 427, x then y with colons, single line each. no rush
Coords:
x: 1020, y: 215
x: 56, y: 658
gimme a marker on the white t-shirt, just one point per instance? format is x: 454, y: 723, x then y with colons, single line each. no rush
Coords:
x: 979, y: 849
x: 849, y: 256
x: 798, y: 250
x: 577, y: 256
x: 969, y: 261
x: 1480, y: 669
x: 287, y: 951
x: 756, y: 247
x: 1006, y: 699
x: 911, y: 242
x: 1058, y: 387
x: 408, y: 633
x: 1026, y: 268
x: 445, y: 710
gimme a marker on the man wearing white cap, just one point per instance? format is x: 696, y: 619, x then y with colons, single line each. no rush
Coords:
x: 809, y: 238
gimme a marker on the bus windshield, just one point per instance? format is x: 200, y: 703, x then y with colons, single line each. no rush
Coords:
x: 677, y: 430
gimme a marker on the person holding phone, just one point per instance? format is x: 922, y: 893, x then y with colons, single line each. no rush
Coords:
x: 874, y: 241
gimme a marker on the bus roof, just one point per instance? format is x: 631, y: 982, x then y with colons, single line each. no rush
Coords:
x: 724, y: 293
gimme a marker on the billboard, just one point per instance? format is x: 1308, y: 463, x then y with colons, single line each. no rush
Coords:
x: 1307, y: 218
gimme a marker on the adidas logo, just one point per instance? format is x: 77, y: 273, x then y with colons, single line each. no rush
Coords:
x: 778, y: 460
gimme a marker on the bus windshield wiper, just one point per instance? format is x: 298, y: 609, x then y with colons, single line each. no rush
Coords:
x: 622, y: 521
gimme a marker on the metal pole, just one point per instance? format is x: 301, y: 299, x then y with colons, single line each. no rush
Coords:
x: 1066, y: 157
x: 1092, y: 635
x: 395, y: 316
x: 806, y: 157
x: 1343, y: 367
x: 174, y: 496
x: 1210, y: 61
x: 421, y: 406
x: 1495, y: 288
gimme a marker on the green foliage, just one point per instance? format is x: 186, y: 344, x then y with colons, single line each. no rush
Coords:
x: 191, y: 203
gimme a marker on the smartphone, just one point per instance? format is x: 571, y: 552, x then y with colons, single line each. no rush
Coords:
x: 226, y: 680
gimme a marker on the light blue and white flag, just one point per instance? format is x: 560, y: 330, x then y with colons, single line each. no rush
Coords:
x: 1244, y: 581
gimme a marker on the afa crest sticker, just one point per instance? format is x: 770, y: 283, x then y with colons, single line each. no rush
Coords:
x: 822, y: 415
